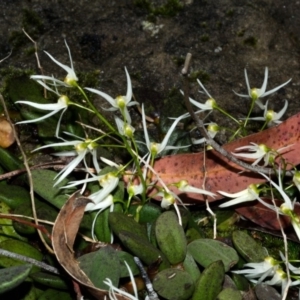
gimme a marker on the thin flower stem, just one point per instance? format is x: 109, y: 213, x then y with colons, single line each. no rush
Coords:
x: 249, y: 113
x: 96, y: 111
x: 221, y: 110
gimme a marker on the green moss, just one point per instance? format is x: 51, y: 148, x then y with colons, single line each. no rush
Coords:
x: 178, y: 60
x: 204, y: 38
x: 250, y: 41
x: 202, y: 75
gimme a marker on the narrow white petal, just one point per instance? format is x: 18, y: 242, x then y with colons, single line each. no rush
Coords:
x: 283, y: 110
x: 50, y: 106
x: 106, y: 202
x: 238, y: 194
x: 72, y: 143
x: 241, y: 199
x: 129, y: 87
x: 69, y: 70
x: 39, y: 119
x: 276, y: 89
x: 285, y: 197
x: 200, y: 105
x: 105, y: 96
x: 247, y: 83
x: 241, y: 95
x: 167, y: 136
x: 204, y: 89
x: 264, y: 85
x: 145, y: 128
x: 70, y: 167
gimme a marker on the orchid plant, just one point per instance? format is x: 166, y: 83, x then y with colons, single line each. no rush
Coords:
x: 139, y: 173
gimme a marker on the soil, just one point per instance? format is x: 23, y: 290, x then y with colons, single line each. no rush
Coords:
x: 224, y: 37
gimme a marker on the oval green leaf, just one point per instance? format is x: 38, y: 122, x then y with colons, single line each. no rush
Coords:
x: 100, y: 265
x: 174, y: 284
x: 170, y: 237
x: 247, y: 247
x: 206, y: 251
x: 210, y: 282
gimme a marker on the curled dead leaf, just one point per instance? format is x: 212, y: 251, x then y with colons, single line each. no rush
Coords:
x: 63, y: 236
x: 7, y: 137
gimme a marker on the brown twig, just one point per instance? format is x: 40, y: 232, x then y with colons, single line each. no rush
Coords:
x: 30, y: 181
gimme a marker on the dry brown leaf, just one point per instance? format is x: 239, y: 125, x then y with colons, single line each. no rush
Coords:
x: 63, y: 236
x: 7, y: 137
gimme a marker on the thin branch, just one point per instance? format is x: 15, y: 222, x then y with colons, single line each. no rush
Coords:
x: 37, y: 57
x: 29, y: 260
x: 151, y: 293
x: 202, y: 129
x: 30, y: 181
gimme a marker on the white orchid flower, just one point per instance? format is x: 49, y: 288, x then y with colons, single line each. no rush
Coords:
x: 256, y: 94
x: 71, y: 78
x: 99, y: 202
x: 271, y: 117
x: 260, y: 270
x: 279, y: 278
x: 81, y: 148
x: 287, y: 208
x: 156, y: 148
x: 124, y: 128
x: 120, y: 102
x: 167, y: 200
x: 212, y: 130
x: 62, y: 104
x: 184, y: 186
x: 259, y: 152
x: 249, y: 194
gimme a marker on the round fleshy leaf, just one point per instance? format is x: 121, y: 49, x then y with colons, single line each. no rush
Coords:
x: 174, y: 284
x: 210, y: 282
x: 100, y: 265
x: 170, y: 237
x: 206, y: 251
x: 247, y: 247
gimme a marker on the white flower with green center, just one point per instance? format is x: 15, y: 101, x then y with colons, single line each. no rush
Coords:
x: 256, y: 94
x: 286, y: 208
x: 270, y: 116
x: 212, y: 130
x: 124, y: 128
x: 81, y: 149
x: 156, y: 148
x: 62, y: 104
x: 260, y: 270
x: 249, y: 194
x: 70, y: 79
x: 120, y: 102
x: 167, y: 200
